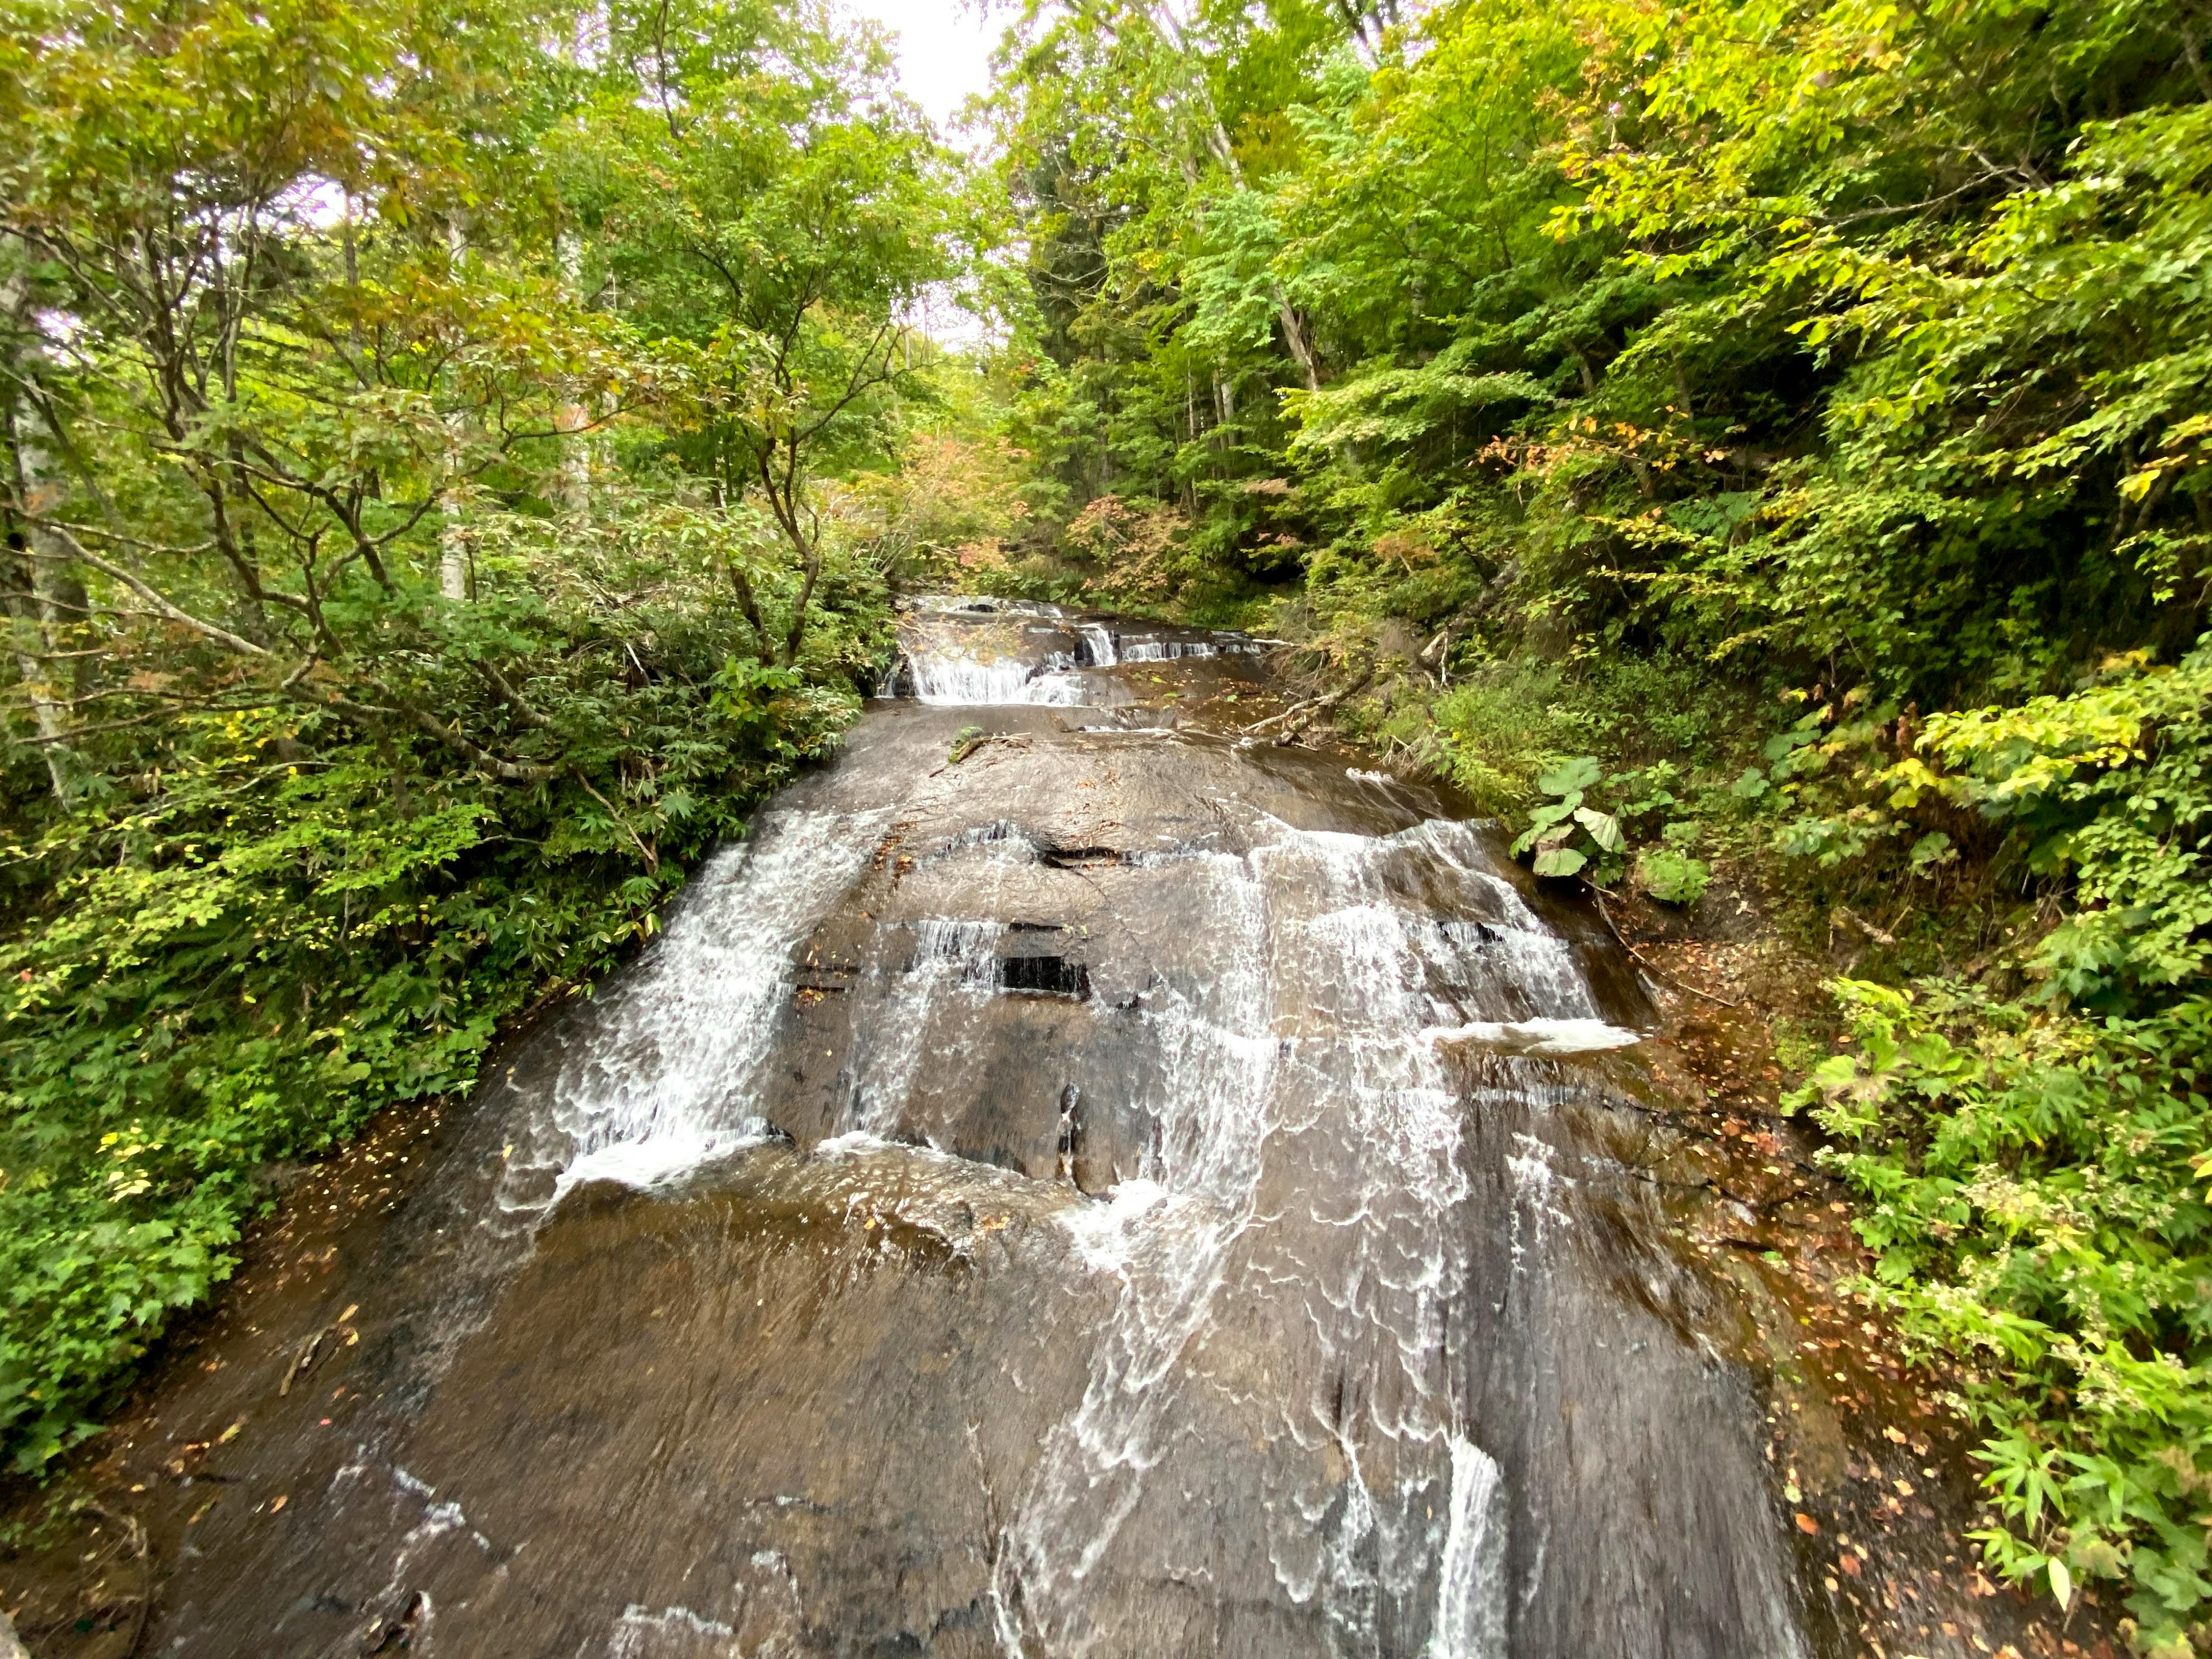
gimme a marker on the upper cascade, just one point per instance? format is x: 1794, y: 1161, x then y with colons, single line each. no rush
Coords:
x: 977, y: 651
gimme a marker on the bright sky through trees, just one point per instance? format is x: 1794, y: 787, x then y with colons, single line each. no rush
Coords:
x: 944, y: 47
x: 944, y: 58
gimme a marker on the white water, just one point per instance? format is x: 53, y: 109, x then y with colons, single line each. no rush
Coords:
x: 952, y: 959
x: 1262, y: 1393
x: 669, y: 1078
x: 1101, y: 639
x: 1471, y: 1589
x: 1537, y: 1037
x: 1167, y: 1246
x: 1308, y: 1158
x: 1145, y: 650
x: 963, y: 682
x: 955, y: 660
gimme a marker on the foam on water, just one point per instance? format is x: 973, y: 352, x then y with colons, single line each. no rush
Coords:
x: 642, y: 1633
x: 1167, y: 1243
x: 662, y: 1159
x: 1103, y: 1232
x: 965, y: 681
x: 1537, y: 1037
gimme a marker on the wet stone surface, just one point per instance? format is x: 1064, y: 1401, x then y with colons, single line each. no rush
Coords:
x: 1132, y: 1190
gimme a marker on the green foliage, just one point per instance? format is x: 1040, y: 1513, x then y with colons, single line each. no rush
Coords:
x: 2110, y: 788
x: 1501, y: 726
x: 433, y: 515
x: 233, y: 972
x: 1671, y: 875
x: 2035, y: 1187
x: 2035, y: 1168
x: 1567, y: 837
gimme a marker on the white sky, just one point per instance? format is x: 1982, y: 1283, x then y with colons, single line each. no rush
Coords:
x: 944, y: 47
x: 945, y: 55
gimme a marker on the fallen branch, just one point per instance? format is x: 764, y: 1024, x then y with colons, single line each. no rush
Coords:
x: 1262, y: 726
x: 1645, y: 962
x: 1311, y: 707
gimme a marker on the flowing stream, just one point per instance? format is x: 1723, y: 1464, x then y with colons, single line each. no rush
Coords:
x: 1136, y: 1191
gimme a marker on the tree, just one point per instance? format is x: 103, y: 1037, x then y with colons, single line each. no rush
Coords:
x: 380, y: 432
x: 773, y: 226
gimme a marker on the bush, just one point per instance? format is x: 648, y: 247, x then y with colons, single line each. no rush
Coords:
x: 2035, y: 1197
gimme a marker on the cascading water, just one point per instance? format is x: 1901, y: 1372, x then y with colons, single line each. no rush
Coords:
x: 1099, y: 649
x: 1128, y: 1192
x: 958, y: 654
x: 668, y: 1083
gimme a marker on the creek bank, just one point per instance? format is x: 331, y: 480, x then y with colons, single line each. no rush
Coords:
x: 1874, y: 1463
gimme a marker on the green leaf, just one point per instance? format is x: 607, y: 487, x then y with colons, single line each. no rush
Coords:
x: 1931, y: 852
x: 1559, y: 862
x: 1570, y: 776
x: 1604, y: 828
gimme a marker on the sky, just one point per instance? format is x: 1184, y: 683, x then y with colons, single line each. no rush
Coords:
x: 944, y: 54
x: 944, y: 47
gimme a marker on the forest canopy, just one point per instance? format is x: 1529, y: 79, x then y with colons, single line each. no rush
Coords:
x: 424, y: 537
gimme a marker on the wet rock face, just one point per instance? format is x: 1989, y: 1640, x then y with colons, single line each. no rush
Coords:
x: 1129, y: 1192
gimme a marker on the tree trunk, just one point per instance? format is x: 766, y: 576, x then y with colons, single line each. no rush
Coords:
x: 40, y: 590
x: 571, y: 418
x: 453, y: 537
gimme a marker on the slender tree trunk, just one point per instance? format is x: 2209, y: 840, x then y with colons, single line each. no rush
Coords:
x: 453, y: 537
x: 40, y: 590
x: 1294, y: 328
x: 571, y: 418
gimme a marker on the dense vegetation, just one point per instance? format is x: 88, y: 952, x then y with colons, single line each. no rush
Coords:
x: 459, y: 452
x: 1737, y: 431
x: 426, y: 531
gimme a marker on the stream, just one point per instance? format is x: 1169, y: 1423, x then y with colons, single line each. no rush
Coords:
x: 1135, y: 1190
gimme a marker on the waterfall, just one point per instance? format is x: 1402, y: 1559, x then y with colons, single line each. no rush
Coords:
x: 1287, y: 1068
x: 667, y: 1077
x: 1137, y: 1197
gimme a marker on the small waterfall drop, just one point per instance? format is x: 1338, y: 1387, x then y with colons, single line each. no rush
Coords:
x: 668, y: 1078
x: 1025, y: 653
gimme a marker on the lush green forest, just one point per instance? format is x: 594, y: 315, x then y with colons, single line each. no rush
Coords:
x: 462, y: 454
